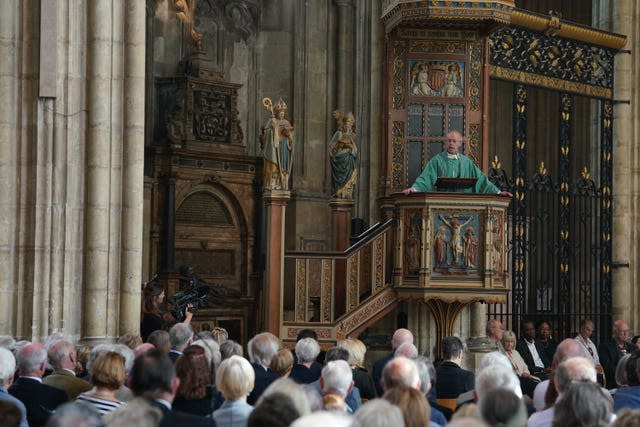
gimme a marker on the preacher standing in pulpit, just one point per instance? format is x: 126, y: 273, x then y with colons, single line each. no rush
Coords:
x: 451, y: 164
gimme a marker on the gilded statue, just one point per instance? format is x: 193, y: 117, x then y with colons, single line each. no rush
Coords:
x: 342, y: 156
x: 276, y: 142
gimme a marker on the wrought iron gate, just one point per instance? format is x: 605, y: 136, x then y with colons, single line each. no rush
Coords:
x: 561, y: 226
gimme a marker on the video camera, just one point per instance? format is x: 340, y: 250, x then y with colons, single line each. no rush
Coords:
x: 192, y: 294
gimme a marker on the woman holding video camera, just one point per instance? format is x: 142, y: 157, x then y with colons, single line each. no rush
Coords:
x: 153, y: 318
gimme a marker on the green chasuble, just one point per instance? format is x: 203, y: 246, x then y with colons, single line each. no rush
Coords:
x: 443, y: 165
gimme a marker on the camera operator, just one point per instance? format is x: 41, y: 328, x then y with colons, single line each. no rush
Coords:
x: 153, y: 317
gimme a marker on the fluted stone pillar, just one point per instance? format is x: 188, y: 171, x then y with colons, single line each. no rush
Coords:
x: 344, y: 59
x: 622, y: 17
x: 133, y: 166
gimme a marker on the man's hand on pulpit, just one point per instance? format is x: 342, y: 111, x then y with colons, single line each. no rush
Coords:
x: 505, y: 194
x: 409, y: 190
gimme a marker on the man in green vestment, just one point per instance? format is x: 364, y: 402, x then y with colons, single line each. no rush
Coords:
x: 451, y: 164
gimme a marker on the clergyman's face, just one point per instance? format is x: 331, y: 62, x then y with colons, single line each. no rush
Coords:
x: 453, y: 142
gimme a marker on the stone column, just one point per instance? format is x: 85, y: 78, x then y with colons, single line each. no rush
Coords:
x: 133, y: 167
x: 478, y: 319
x: 344, y: 61
x: 275, y: 203
x: 622, y: 18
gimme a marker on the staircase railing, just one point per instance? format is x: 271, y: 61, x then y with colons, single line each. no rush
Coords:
x: 336, y: 293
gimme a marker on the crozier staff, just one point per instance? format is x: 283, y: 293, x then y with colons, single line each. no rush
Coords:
x: 153, y: 318
x: 451, y: 164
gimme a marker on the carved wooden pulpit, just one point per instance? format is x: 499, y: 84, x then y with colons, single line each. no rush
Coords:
x: 450, y: 251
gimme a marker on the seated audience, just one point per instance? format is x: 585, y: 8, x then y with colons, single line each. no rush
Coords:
x: 451, y: 379
x: 584, y: 404
x: 234, y: 379
x: 501, y: 407
x: 230, y: 348
x: 153, y: 377
x: 573, y: 369
x: 415, y: 409
x: 546, y: 341
x: 306, y: 370
x: 7, y: 372
x: 261, y: 349
x: 76, y: 415
x: 62, y: 356
x: 336, y: 380
x: 137, y: 413
x: 399, y: 337
x: 612, y: 351
x: 629, y: 396
x: 282, y: 363
x: 180, y: 337
x: 361, y: 377
x: 532, y: 352
x: 323, y: 419
x: 40, y: 400
x: 528, y: 382
x: 627, y: 418
x: 10, y: 414
x: 194, y: 395
x: 160, y: 340
x: 379, y: 413
x: 107, y: 375
x: 273, y: 410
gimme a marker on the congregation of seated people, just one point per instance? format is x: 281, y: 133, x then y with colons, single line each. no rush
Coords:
x: 177, y: 378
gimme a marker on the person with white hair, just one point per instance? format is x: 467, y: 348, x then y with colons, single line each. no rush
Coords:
x: 261, y: 349
x: 323, y: 419
x: 400, y: 336
x: 234, y: 379
x: 306, y: 370
x: 491, y: 359
x: 407, y: 350
x: 62, y: 356
x: 572, y: 369
x: 496, y: 377
x: 39, y: 399
x: 7, y: 372
x: 336, y: 381
x: 379, y: 413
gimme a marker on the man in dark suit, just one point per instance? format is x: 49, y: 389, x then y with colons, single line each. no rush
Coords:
x: 451, y: 379
x: 261, y: 349
x: 180, y: 337
x: 611, y: 352
x: 39, y: 399
x: 400, y: 336
x: 531, y: 352
x: 153, y: 377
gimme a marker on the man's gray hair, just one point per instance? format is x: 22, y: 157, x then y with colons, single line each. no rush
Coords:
x: 379, y: 413
x: 30, y: 359
x: 407, y: 350
x: 7, y: 366
x: 77, y: 414
x: 59, y: 351
x: 574, y: 369
x: 337, y: 377
x: 423, y: 371
x: 492, y: 359
x: 323, y: 419
x: 180, y: 334
x: 498, y: 376
x: 262, y: 348
x: 307, y: 349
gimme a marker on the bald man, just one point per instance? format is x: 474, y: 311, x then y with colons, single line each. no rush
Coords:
x: 400, y: 336
x: 611, y: 352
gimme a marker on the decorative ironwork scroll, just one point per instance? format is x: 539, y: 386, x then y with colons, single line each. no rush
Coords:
x: 530, y: 57
x: 564, y: 177
x: 606, y: 218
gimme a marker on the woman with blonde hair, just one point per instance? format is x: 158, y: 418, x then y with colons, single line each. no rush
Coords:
x: 235, y: 379
x: 107, y: 376
x: 361, y: 377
